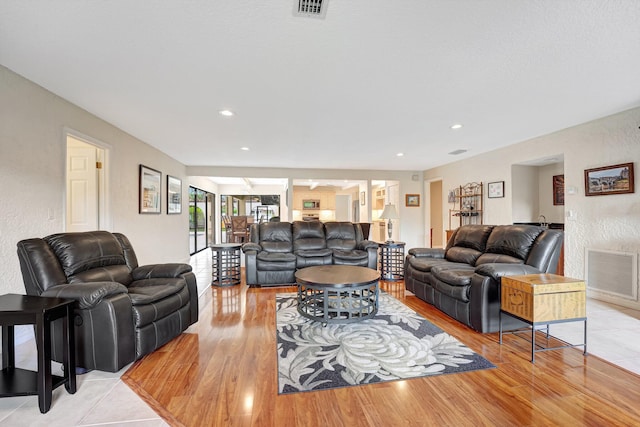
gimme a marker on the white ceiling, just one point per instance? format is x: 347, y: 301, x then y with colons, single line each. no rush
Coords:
x: 374, y: 78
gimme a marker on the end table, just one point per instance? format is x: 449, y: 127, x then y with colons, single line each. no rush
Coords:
x: 41, y: 312
x: 542, y: 300
x: 392, y: 261
x: 225, y: 264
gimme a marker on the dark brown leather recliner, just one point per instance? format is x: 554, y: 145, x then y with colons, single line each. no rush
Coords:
x: 123, y: 311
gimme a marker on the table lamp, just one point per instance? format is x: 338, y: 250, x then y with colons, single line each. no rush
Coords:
x: 389, y: 212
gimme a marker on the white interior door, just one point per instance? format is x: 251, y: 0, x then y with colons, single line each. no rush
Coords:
x: 82, y: 186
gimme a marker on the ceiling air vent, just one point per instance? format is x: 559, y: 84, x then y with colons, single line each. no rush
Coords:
x: 310, y: 8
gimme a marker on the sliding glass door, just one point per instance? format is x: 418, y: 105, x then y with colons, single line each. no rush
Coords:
x: 201, y: 219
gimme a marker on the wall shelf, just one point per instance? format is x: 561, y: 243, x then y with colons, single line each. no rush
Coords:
x: 467, y: 205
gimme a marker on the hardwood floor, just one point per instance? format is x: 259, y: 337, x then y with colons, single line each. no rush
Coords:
x: 223, y: 372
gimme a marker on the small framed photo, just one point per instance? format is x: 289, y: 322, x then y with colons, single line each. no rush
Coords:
x: 174, y: 195
x: 495, y: 189
x: 412, y: 200
x: 362, y: 198
x: 150, y: 190
x: 616, y: 179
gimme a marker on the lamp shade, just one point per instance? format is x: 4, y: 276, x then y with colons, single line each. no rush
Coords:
x: 389, y: 212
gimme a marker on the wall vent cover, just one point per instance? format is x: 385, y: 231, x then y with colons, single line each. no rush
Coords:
x: 310, y: 8
x: 612, y: 273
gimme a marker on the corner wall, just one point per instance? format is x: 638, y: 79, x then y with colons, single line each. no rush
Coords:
x: 32, y: 173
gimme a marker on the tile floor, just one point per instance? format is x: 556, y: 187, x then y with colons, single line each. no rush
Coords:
x: 102, y: 399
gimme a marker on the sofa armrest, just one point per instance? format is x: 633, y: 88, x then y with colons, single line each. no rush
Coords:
x: 87, y: 295
x: 250, y: 246
x: 160, y: 271
x: 367, y: 244
x: 497, y: 270
x: 427, y: 252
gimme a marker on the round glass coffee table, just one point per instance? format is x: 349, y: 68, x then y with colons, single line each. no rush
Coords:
x: 337, y: 293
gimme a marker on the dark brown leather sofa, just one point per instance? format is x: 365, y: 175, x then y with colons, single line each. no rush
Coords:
x: 123, y: 311
x: 276, y: 250
x: 463, y: 280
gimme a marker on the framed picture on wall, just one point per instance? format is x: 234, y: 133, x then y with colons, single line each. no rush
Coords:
x: 616, y: 179
x: 150, y: 190
x: 174, y: 195
x: 558, y: 190
x: 495, y: 189
x: 412, y: 200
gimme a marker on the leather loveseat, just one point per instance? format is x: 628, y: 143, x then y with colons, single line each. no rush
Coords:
x: 463, y: 280
x: 123, y: 311
x: 277, y: 249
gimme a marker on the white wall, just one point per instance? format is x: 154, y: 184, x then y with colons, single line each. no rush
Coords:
x: 32, y: 173
x: 603, y: 222
x: 525, y: 205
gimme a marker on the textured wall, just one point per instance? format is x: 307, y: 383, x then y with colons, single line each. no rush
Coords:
x: 603, y: 222
x: 32, y: 173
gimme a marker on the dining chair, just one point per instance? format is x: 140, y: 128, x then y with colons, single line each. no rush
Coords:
x: 228, y: 237
x: 239, y: 229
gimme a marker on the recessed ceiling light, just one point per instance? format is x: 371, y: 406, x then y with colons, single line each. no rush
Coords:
x: 244, y: 148
x: 456, y: 126
x: 226, y: 113
x: 400, y: 154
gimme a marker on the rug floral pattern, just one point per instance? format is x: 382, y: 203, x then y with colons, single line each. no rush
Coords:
x: 396, y: 344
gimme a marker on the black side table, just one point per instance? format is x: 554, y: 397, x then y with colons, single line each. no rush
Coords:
x: 225, y: 264
x: 41, y: 312
x: 392, y: 261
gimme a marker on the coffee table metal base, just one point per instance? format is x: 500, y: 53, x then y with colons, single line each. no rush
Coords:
x: 338, y: 305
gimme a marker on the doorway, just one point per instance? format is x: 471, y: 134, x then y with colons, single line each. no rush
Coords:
x: 86, y: 204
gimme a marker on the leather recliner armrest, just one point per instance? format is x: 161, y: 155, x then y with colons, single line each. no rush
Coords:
x: 88, y: 295
x: 250, y: 246
x: 427, y: 252
x: 160, y: 271
x: 497, y: 270
x: 367, y: 244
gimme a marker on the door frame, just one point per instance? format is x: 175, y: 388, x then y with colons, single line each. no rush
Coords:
x: 104, y: 206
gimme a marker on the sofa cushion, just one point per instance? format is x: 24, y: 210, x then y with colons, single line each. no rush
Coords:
x: 512, y: 240
x: 341, y: 235
x: 308, y: 235
x: 79, y: 252
x: 426, y: 264
x: 310, y: 253
x: 276, y: 237
x: 473, y: 237
x: 153, y: 302
x: 111, y: 273
x: 354, y: 255
x: 499, y: 258
x: 457, y: 292
x: 462, y: 255
x: 275, y: 261
x: 454, y: 277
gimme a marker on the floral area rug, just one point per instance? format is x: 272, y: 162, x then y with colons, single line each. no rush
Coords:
x: 396, y: 344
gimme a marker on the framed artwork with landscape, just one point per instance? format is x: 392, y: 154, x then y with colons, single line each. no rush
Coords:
x: 412, y: 200
x: 150, y: 187
x: 615, y: 179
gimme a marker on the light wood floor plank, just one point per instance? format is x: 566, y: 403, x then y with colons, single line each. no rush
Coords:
x: 223, y: 372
